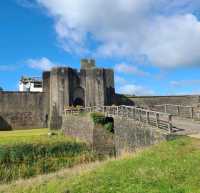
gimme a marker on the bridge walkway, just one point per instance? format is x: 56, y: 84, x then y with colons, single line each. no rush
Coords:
x: 162, y: 120
x: 184, y: 126
x: 186, y: 119
x: 157, y: 119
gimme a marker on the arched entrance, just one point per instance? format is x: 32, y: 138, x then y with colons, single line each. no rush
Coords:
x: 78, y: 102
x: 79, y: 97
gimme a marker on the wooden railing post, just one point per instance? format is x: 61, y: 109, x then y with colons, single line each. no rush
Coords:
x: 137, y: 115
x: 157, y: 120
x: 192, y: 112
x: 165, y: 108
x: 170, y: 123
x: 140, y: 115
x: 178, y: 110
x: 133, y: 113
x: 128, y: 111
x: 198, y: 115
x: 147, y: 117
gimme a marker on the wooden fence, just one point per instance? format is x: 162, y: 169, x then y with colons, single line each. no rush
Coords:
x: 158, y: 119
x: 177, y: 110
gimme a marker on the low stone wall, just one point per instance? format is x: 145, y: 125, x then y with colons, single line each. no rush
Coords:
x: 147, y: 101
x: 23, y: 110
x: 129, y: 134
x: 83, y: 128
x: 103, y: 141
x: 80, y: 127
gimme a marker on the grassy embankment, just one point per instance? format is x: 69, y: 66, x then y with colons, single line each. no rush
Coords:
x: 171, y: 167
x: 27, y: 153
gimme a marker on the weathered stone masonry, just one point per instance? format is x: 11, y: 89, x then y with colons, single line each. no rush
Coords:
x: 64, y: 86
x: 129, y: 135
x: 19, y: 110
x: 90, y: 86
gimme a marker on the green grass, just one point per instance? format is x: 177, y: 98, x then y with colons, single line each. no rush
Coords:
x: 27, y: 153
x: 7, y: 137
x: 171, y: 167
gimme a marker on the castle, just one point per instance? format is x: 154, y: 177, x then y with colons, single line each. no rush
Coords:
x: 65, y: 86
x: 91, y: 86
x: 62, y: 86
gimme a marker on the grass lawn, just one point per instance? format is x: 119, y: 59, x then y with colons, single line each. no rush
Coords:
x: 170, y: 167
x: 27, y: 153
x: 22, y: 135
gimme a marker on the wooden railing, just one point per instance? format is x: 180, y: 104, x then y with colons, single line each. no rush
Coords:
x: 158, y: 119
x: 177, y: 110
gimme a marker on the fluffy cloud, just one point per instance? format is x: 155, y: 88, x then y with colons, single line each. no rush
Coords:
x: 166, y: 31
x: 41, y: 64
x: 129, y: 69
x: 120, y: 80
x: 132, y: 89
x: 175, y: 41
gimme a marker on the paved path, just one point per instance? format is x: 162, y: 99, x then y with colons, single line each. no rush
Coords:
x: 186, y: 126
x: 197, y: 136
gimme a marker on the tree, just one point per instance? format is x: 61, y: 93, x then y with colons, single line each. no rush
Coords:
x: 1, y: 89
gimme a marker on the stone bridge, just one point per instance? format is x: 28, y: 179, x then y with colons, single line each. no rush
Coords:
x: 134, y: 127
x: 175, y: 119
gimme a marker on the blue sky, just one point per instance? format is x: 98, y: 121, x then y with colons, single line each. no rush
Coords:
x: 154, y: 47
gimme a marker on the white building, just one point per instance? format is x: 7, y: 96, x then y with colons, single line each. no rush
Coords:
x: 30, y: 84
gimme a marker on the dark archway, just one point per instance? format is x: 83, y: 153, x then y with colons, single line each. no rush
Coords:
x: 79, y: 97
x: 4, y: 125
x: 78, y: 102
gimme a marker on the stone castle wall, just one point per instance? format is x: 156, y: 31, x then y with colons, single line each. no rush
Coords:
x: 148, y: 101
x: 83, y: 128
x: 64, y: 86
x: 80, y: 127
x: 89, y: 87
x: 23, y: 110
x: 129, y: 134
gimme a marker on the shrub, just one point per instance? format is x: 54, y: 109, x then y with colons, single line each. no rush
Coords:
x: 106, y: 122
x: 109, y: 127
x: 98, y: 118
x: 30, y: 158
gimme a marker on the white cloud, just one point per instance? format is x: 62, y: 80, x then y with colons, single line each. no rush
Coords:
x: 175, y: 41
x: 120, y: 80
x: 129, y: 69
x: 166, y: 31
x: 132, y: 89
x: 41, y: 64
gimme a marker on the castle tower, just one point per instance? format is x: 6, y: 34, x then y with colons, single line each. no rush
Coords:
x: 59, y: 95
x: 98, y: 83
x: 65, y: 86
